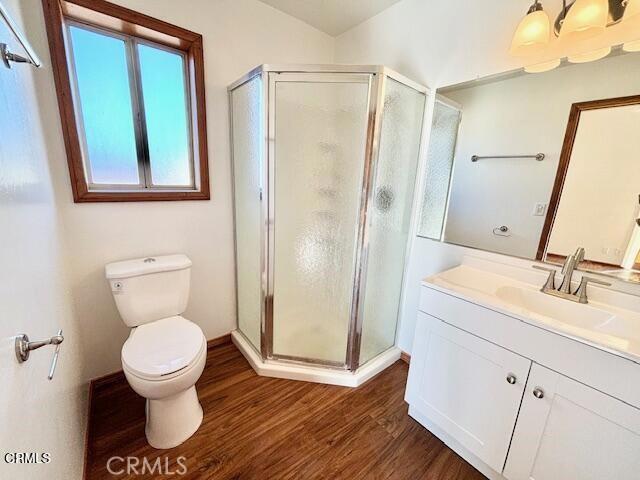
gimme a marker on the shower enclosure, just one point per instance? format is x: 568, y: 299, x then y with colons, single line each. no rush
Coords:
x: 324, y: 173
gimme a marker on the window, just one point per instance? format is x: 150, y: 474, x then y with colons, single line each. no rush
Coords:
x: 131, y: 98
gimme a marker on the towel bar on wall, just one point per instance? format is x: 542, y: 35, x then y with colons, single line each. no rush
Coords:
x: 538, y: 156
x: 6, y: 55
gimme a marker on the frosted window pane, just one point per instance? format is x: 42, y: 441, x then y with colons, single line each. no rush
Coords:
x: 444, y: 132
x: 319, y: 157
x: 105, y: 100
x: 163, y: 88
x: 246, y: 104
x: 390, y: 216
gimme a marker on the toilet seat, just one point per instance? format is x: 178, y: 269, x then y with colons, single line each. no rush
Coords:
x: 163, y: 349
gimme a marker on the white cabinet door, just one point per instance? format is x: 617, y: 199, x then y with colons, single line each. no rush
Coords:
x: 461, y: 383
x: 573, y: 432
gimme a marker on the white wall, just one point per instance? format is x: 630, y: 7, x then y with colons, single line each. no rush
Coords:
x: 36, y: 415
x: 599, y: 203
x: 526, y: 115
x: 238, y: 35
x: 438, y: 43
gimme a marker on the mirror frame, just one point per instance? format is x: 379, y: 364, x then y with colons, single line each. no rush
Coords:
x: 565, y: 158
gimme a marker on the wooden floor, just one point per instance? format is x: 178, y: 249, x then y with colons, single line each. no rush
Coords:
x: 269, y: 429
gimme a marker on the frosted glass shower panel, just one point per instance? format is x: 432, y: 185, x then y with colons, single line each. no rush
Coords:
x: 442, y: 146
x: 248, y: 135
x: 320, y: 127
x: 390, y: 215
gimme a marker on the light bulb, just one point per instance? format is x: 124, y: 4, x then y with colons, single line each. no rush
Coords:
x: 542, y: 67
x: 589, y: 56
x: 533, y: 32
x: 585, y: 19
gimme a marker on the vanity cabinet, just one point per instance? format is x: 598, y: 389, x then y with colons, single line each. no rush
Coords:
x: 568, y: 430
x: 519, y: 402
x: 470, y: 388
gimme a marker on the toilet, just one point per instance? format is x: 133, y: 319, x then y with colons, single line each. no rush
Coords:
x: 165, y: 353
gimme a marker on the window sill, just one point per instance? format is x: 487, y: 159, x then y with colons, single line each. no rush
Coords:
x: 149, y: 196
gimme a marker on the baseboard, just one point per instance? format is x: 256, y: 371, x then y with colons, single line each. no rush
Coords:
x: 405, y: 357
x: 216, y: 342
x: 115, y: 379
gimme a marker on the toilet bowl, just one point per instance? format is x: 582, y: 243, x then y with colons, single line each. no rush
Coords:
x: 162, y: 361
x: 165, y: 353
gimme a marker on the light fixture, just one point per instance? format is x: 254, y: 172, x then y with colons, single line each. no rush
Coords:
x: 580, y: 33
x: 632, y: 46
x: 631, y: 22
x: 631, y: 16
x: 533, y: 32
x: 589, y: 56
x: 542, y: 67
x: 585, y: 19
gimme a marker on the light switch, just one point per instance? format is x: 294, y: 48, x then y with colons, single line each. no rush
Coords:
x: 539, y: 209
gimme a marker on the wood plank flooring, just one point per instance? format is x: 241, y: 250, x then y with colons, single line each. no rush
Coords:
x: 271, y: 429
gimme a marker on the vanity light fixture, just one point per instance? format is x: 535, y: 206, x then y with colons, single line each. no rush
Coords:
x: 585, y: 19
x: 632, y: 46
x: 589, y: 56
x: 578, y: 23
x: 533, y: 32
x: 631, y: 21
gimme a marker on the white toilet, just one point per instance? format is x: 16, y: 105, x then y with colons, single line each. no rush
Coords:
x: 165, y: 353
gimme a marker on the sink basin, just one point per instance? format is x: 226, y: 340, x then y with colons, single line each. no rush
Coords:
x: 550, y: 309
x: 602, y: 324
x: 542, y: 305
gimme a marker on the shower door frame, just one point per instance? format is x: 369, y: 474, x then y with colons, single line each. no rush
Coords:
x: 377, y: 81
x: 273, y: 78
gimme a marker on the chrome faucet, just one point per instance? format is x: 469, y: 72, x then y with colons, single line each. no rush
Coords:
x: 564, y: 290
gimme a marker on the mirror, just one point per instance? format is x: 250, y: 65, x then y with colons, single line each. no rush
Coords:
x: 535, y: 165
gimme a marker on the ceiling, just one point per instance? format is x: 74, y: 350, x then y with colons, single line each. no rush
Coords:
x: 331, y: 16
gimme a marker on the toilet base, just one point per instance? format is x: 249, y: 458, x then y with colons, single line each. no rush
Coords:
x: 172, y: 420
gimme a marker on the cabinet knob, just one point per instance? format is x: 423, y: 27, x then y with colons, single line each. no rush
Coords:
x: 511, y: 378
x: 538, y: 392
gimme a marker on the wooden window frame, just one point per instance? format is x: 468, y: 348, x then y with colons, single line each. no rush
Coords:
x: 108, y: 16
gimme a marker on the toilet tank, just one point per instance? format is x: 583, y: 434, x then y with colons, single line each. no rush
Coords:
x: 149, y: 289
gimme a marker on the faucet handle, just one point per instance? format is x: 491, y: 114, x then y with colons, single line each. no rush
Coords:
x: 579, y: 255
x: 581, y: 292
x: 550, y: 284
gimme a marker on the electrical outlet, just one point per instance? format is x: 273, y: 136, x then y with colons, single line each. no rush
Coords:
x: 539, y: 209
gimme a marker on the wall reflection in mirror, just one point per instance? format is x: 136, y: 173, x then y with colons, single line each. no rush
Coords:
x: 534, y: 166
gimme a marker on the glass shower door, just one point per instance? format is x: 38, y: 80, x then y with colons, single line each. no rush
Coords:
x: 320, y: 123
x: 390, y: 215
x: 248, y: 135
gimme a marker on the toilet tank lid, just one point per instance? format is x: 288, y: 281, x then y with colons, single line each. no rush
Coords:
x: 146, y: 265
